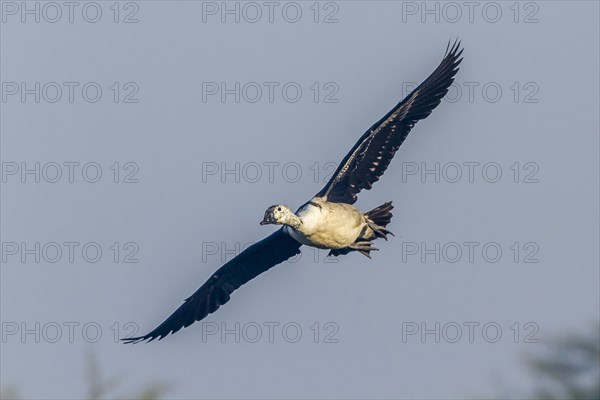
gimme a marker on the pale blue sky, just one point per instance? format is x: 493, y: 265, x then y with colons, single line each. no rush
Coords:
x: 173, y: 221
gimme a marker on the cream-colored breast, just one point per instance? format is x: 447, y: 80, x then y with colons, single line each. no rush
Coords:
x: 328, y: 225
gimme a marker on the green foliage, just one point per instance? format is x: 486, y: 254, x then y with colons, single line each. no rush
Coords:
x: 100, y: 388
x: 570, y: 368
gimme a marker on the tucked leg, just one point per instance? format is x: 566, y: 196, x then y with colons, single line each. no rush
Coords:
x: 364, y: 247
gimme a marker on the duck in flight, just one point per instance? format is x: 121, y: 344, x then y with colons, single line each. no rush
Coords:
x: 329, y: 220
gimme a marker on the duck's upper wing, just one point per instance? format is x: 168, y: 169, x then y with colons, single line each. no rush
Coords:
x: 250, y: 263
x: 371, y: 155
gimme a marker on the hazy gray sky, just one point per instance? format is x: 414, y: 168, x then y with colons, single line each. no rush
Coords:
x: 199, y: 115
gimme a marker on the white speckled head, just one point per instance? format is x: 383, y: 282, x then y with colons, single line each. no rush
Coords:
x: 278, y: 214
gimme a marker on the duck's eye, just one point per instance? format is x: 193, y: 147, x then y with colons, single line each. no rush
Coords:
x: 278, y: 208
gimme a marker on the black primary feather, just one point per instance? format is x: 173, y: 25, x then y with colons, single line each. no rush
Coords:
x: 371, y: 155
x: 250, y: 263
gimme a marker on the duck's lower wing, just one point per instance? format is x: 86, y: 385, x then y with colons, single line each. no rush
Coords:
x: 250, y: 263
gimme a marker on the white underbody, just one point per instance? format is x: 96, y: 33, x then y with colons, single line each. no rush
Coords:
x: 329, y: 225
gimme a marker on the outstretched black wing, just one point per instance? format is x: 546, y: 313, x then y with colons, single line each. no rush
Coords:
x: 371, y: 155
x: 250, y: 263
